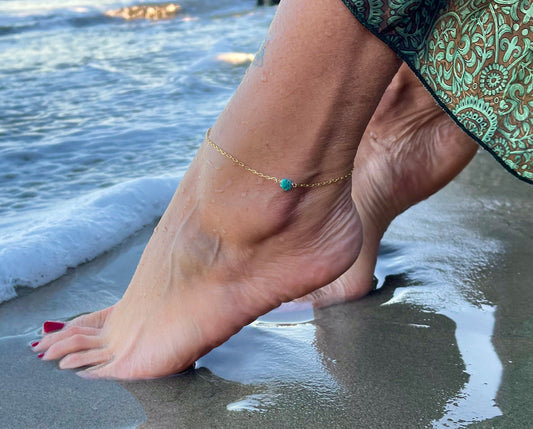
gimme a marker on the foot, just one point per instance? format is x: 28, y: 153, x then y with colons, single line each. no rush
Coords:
x: 232, y: 246
x: 225, y: 252
x: 410, y: 150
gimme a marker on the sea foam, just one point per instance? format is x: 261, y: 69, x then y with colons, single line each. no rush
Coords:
x: 39, y: 249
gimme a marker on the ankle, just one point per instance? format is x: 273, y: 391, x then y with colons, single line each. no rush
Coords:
x: 242, y: 206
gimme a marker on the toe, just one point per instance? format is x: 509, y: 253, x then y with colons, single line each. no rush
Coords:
x: 105, y: 370
x: 92, y: 320
x: 52, y: 326
x: 72, y: 344
x: 85, y: 358
x: 50, y: 339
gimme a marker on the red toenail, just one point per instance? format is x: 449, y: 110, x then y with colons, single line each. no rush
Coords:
x: 52, y: 326
x: 35, y: 344
x: 40, y: 355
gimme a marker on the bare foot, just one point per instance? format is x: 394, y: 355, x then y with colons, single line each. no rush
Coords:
x: 209, y: 269
x: 231, y: 245
x: 410, y: 150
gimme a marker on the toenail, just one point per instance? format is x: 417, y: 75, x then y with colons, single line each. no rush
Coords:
x: 52, y: 326
x: 35, y: 344
x: 40, y: 355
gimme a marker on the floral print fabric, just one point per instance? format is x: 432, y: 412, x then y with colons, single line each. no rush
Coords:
x: 475, y: 57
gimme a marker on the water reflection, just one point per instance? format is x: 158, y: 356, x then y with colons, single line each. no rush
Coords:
x: 476, y: 401
x: 279, y: 349
x: 418, y: 352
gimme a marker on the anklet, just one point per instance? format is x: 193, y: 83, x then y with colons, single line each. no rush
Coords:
x: 285, y: 184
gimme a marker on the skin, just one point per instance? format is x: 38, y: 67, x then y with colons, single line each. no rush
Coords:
x: 410, y: 150
x: 232, y: 246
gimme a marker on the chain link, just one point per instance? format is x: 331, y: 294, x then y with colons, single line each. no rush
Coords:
x: 266, y: 176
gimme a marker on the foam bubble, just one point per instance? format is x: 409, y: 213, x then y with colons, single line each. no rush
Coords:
x: 40, y: 248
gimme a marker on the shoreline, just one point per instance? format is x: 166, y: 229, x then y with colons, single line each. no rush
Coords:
x: 447, y: 340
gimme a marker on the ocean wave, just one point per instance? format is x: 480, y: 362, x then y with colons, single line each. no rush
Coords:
x: 42, y: 18
x: 41, y: 248
x: 30, y: 15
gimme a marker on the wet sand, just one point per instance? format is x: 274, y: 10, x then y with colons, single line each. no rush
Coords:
x: 447, y: 341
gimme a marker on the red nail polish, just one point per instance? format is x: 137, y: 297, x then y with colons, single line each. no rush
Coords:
x: 40, y: 355
x: 52, y: 326
x: 35, y: 344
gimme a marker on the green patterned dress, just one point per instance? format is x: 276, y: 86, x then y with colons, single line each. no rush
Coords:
x: 476, y: 59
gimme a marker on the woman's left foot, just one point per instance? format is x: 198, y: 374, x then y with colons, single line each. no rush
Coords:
x: 410, y: 150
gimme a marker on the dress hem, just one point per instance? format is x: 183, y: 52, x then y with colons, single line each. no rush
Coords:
x: 441, y: 103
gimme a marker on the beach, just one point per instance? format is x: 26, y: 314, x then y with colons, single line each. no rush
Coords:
x: 447, y: 340
x: 101, y: 119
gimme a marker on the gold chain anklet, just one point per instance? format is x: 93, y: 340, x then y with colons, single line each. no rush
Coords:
x: 285, y: 184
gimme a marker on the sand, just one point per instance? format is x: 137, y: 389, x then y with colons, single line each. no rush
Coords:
x: 446, y: 342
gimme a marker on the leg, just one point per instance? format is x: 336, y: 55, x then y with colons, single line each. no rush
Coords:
x: 232, y: 246
x: 410, y: 150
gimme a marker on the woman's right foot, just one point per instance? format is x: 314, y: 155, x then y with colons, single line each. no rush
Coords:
x: 410, y: 150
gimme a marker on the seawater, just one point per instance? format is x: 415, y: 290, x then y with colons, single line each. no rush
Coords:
x: 99, y: 119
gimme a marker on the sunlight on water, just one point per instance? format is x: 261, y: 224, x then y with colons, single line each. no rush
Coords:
x: 92, y: 105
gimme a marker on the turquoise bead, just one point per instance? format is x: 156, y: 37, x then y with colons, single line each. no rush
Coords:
x: 285, y: 184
